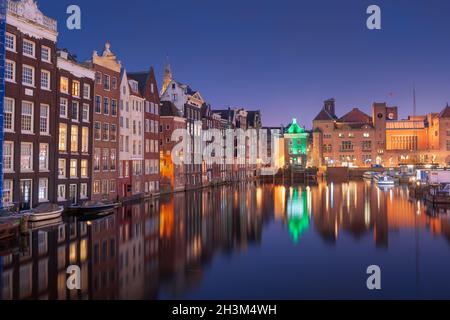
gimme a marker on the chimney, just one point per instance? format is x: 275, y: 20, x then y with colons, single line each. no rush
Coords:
x: 329, y: 106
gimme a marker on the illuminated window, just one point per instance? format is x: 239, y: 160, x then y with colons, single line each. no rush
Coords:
x: 73, y: 168
x: 97, y: 152
x: 62, y: 142
x: 61, y: 168
x: 7, y: 192
x: 96, y: 187
x: 85, y: 139
x: 75, y: 88
x: 74, y: 139
x: 26, y: 156
x: 84, y: 168
x: 64, y: 85
x: 43, y: 156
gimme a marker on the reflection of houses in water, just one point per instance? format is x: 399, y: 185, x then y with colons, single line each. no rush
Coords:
x: 38, y: 271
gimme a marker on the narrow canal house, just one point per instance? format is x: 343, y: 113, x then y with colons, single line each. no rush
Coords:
x: 172, y: 174
x: 75, y: 92
x: 131, y: 139
x: 189, y: 103
x: 149, y: 91
x: 29, y: 105
x: 106, y: 122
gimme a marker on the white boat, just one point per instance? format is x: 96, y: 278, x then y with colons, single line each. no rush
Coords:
x: 45, y: 211
x: 385, y: 180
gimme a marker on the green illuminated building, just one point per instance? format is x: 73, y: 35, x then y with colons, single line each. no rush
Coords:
x: 295, y: 141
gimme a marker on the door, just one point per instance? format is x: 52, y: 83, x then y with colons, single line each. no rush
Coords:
x: 25, y: 195
x: 73, y: 193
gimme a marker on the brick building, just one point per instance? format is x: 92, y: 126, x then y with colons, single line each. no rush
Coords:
x: 75, y: 95
x: 106, y: 122
x: 29, y: 106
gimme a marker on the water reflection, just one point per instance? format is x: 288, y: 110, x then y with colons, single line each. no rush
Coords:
x: 169, y: 247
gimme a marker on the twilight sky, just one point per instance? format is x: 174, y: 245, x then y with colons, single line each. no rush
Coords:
x: 281, y: 56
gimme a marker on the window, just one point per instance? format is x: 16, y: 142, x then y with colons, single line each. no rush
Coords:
x: 366, y: 135
x: 8, y: 115
x: 96, y: 187
x: 10, y: 42
x: 98, y: 77
x: 43, y: 120
x: 84, y: 168
x: 105, y: 159
x: 27, y: 117
x: 75, y: 110
x: 45, y: 54
x: 113, y: 133
x: 104, y: 186
x: 62, y: 168
x: 85, y: 113
x: 98, y: 104
x: 84, y: 139
x: 74, y: 139
x: 113, y: 107
x: 45, y: 79
x: 43, y: 190
x: 86, y: 91
x: 28, y: 48
x: 113, y: 160
x: 97, y: 130
x: 27, y: 75
x: 83, y: 191
x: 62, y: 143
x: 105, y: 132
x: 97, y: 159
x: 106, y: 82
x: 73, y: 168
x: 75, y: 88
x: 7, y: 192
x: 105, y: 105
x: 114, y: 83
x: 61, y: 192
x: 26, y: 156
x: 8, y: 156
x: 112, y: 186
x: 10, y: 71
x: 64, y: 85
x: 43, y: 157
x: 63, y: 107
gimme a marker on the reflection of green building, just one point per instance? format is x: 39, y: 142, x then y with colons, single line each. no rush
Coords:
x: 295, y: 141
x: 297, y: 213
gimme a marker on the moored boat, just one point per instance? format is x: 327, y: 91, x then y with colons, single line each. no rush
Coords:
x: 369, y: 175
x: 439, y: 194
x: 44, y: 211
x: 94, y: 206
x: 385, y: 180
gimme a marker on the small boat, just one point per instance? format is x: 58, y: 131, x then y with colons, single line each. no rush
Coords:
x: 34, y: 225
x: 385, y: 180
x: 439, y: 194
x: 9, y: 228
x: 369, y: 175
x: 44, y: 211
x: 94, y: 206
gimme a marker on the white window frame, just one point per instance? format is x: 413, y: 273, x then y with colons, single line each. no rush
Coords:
x: 64, y: 175
x: 85, y: 161
x: 33, y: 48
x: 88, y: 91
x: 48, y: 79
x: 45, y: 168
x: 73, y: 176
x: 49, y: 60
x: 86, y: 109
x: 45, y: 198
x: 63, y: 187
x: 66, y: 110
x: 10, y: 189
x: 30, y: 169
x: 13, y: 71
x: 60, y: 85
x: 27, y: 67
x: 47, y: 131
x: 83, y: 195
x: 12, y: 112
x: 14, y: 39
x: 76, y: 94
x: 32, y: 118
x: 11, y: 157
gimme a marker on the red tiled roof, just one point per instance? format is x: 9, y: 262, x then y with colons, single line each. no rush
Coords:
x: 324, y: 115
x: 445, y: 113
x: 355, y: 115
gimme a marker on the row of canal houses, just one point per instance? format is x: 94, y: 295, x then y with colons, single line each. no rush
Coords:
x: 75, y: 131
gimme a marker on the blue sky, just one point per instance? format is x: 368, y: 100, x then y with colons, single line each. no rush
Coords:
x: 281, y: 56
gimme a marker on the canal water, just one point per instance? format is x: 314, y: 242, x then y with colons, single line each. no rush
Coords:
x: 248, y: 241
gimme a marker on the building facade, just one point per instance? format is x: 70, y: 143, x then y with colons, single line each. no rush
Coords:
x: 106, y: 122
x: 74, y: 126
x: 149, y: 91
x: 29, y: 106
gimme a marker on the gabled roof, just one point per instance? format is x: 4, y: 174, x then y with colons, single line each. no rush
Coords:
x: 324, y: 115
x: 445, y: 113
x: 168, y: 109
x: 141, y: 78
x: 227, y: 114
x: 355, y: 115
x: 294, y: 128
